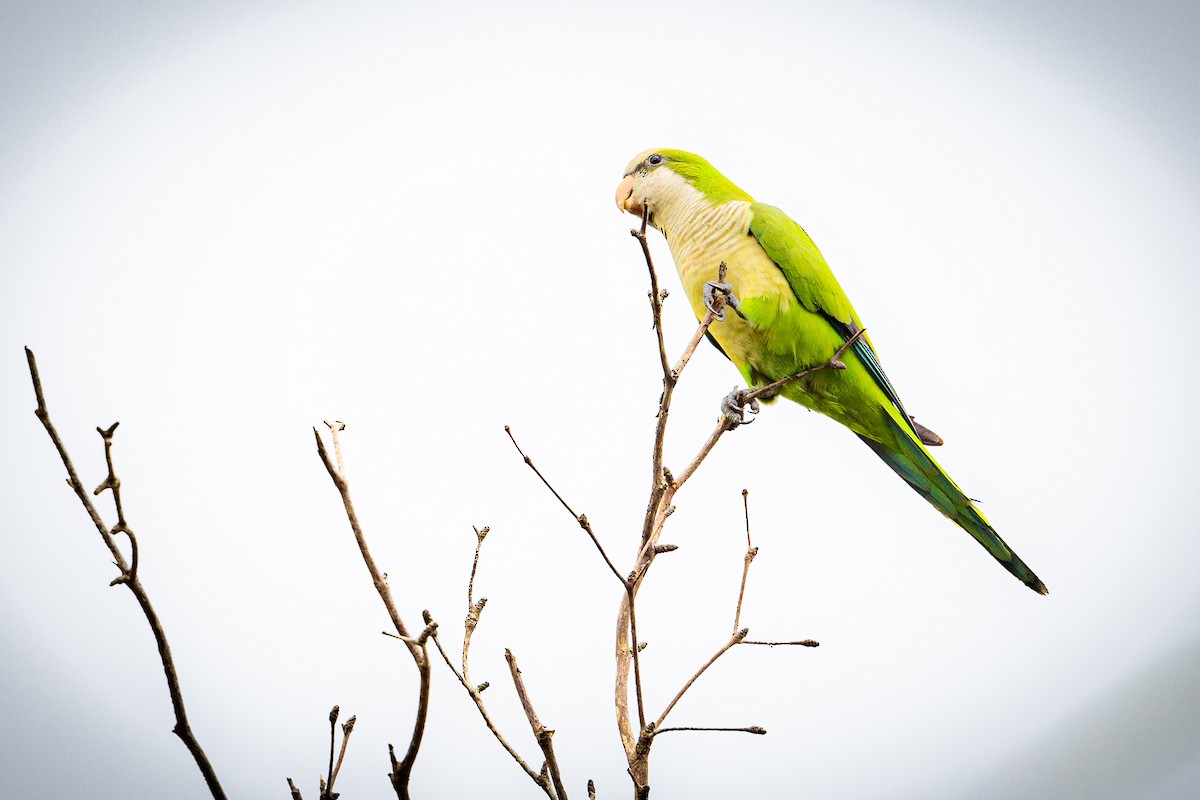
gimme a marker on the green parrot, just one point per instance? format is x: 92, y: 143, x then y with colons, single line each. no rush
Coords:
x: 785, y: 313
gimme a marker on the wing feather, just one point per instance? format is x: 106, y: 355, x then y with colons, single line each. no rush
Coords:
x: 814, y: 285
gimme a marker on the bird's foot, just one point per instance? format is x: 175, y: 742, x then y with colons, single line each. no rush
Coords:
x: 717, y: 296
x: 737, y: 406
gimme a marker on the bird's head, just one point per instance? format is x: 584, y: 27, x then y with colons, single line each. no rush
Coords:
x: 661, y: 179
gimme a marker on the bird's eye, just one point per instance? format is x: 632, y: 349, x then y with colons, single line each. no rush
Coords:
x: 655, y: 160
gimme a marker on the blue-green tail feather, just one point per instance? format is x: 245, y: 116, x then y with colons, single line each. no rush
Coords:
x: 911, y: 462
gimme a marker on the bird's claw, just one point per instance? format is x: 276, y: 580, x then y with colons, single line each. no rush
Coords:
x: 735, y: 407
x: 715, y: 289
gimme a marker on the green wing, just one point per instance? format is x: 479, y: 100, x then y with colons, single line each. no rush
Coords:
x: 899, y: 441
x: 815, y: 287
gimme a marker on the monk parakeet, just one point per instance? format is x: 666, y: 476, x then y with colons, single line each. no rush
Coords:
x: 786, y: 313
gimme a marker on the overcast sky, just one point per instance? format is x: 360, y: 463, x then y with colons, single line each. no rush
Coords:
x: 222, y: 223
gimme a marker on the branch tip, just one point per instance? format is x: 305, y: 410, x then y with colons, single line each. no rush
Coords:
x: 128, y: 575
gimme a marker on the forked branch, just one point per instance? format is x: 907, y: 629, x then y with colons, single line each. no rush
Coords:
x: 664, y: 486
x: 543, y: 734
x: 545, y: 780
x: 128, y: 576
x: 401, y: 772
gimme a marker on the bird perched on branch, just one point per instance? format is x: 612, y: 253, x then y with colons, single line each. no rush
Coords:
x: 784, y: 312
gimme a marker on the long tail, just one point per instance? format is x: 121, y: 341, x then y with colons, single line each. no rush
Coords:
x: 913, y: 463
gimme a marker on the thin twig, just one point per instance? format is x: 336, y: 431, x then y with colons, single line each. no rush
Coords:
x: 480, y: 535
x: 671, y: 377
x: 751, y: 552
x: 294, y: 790
x: 477, y: 698
x: 347, y: 729
x: 182, y: 729
x: 801, y: 643
x: 336, y: 427
x: 111, y: 481
x: 377, y: 576
x: 670, y: 381
x: 543, y: 734
x: 656, y: 297
x: 474, y: 609
x: 333, y: 715
x: 733, y: 640
x: 125, y: 577
x: 834, y: 362
x: 636, y: 644
x: 723, y: 425
x: 755, y: 729
x: 401, y: 770
x: 579, y: 518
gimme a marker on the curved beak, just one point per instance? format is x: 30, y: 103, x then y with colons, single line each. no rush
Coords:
x: 625, y: 199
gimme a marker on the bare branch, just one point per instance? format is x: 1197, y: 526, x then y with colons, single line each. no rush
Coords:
x: 670, y: 380
x: 111, y: 481
x: 476, y: 694
x: 662, y: 491
x: 347, y: 729
x: 130, y: 579
x: 401, y: 772
x: 751, y: 552
x: 543, y: 734
x: 480, y: 535
x: 723, y: 425
x: 656, y: 296
x: 377, y: 576
x: 637, y: 647
x: 801, y: 643
x: 328, y: 787
x: 474, y: 609
x: 469, y: 625
x: 402, y: 769
x: 664, y: 410
x: 295, y: 791
x: 336, y: 427
x: 755, y: 729
x: 733, y: 640
x: 579, y: 518
x: 133, y: 559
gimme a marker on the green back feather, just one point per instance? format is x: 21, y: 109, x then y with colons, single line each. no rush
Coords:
x: 810, y: 277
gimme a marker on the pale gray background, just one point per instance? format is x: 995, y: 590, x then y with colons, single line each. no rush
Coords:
x: 221, y: 223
